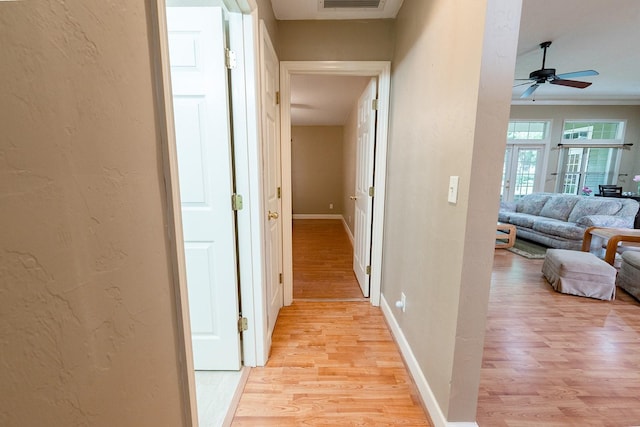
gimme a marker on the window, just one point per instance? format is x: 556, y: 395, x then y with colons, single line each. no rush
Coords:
x: 590, y: 154
x: 527, y: 130
x: 609, y: 131
x: 523, y: 161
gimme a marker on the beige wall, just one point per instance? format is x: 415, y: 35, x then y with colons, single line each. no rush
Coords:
x: 316, y: 169
x: 87, y: 319
x: 630, y: 163
x: 449, y: 112
x: 349, y: 143
x: 341, y: 40
x: 265, y: 13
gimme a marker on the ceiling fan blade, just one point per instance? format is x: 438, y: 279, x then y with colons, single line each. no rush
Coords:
x: 571, y: 83
x: 584, y: 73
x: 522, y: 84
x: 529, y: 91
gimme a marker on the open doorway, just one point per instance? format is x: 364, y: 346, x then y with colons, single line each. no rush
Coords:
x: 324, y: 140
x: 380, y: 70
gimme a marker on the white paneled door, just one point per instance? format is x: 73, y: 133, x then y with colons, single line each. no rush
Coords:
x: 272, y: 177
x: 364, y: 185
x: 202, y: 123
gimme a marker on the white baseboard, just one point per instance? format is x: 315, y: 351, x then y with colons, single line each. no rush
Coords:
x: 426, y: 394
x: 346, y: 228
x: 317, y: 216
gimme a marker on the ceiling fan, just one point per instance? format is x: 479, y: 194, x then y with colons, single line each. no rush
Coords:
x: 544, y: 75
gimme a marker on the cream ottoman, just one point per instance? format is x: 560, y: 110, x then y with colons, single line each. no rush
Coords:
x: 579, y: 273
x: 629, y: 275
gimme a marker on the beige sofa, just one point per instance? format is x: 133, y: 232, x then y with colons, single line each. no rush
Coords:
x: 559, y: 220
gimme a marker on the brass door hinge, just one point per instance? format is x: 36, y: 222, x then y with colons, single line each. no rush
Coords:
x: 243, y: 324
x: 368, y: 269
x: 279, y: 193
x: 278, y: 98
x: 371, y: 191
x: 374, y: 104
x: 280, y: 278
x: 236, y: 202
x: 230, y: 59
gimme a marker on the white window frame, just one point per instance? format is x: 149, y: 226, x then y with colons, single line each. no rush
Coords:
x: 544, y: 144
x: 590, y: 143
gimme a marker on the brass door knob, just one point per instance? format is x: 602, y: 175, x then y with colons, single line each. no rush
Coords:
x: 272, y: 215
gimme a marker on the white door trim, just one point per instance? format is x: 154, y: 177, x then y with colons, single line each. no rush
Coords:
x: 162, y: 80
x: 244, y: 93
x: 379, y: 69
x: 255, y: 353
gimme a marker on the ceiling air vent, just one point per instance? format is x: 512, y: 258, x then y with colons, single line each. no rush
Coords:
x: 351, y: 4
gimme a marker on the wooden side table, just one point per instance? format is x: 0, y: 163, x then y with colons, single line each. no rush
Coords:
x: 505, y: 235
x: 614, y: 237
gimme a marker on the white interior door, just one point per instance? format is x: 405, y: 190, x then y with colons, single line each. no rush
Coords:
x: 202, y: 123
x: 272, y: 177
x: 364, y: 182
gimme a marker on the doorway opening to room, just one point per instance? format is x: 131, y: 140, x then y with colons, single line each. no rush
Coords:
x: 328, y: 125
x: 333, y: 131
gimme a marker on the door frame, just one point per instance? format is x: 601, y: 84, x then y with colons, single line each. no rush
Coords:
x: 542, y: 162
x: 381, y: 70
x: 243, y: 36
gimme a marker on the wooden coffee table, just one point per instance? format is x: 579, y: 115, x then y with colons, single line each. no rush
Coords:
x: 614, y: 237
x: 505, y: 235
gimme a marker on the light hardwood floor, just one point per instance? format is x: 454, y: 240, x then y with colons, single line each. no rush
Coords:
x: 323, y: 261
x: 549, y: 360
x: 552, y: 359
x: 332, y: 363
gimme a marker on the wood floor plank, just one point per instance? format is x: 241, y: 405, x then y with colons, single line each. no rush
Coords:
x: 332, y: 364
x: 549, y: 359
x: 323, y: 261
x: 552, y: 359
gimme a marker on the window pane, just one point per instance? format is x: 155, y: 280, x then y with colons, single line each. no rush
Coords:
x: 507, y: 155
x: 588, y: 167
x: 593, y: 130
x: 527, y: 130
x: 526, y: 172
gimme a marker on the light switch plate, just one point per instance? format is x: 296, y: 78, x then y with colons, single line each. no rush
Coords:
x: 452, y: 197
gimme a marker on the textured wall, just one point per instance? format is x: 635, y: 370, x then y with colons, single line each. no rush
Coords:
x: 316, y: 169
x: 451, y: 89
x: 338, y: 40
x: 87, y: 323
x: 265, y: 13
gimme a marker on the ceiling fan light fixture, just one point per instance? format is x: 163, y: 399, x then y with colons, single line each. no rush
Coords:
x: 544, y: 75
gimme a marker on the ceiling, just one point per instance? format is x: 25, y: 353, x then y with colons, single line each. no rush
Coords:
x: 586, y: 35
x: 324, y: 100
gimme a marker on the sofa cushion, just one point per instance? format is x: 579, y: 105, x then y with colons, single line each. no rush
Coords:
x: 532, y: 203
x: 559, y: 207
x: 594, y: 206
x: 606, y: 221
x: 504, y: 216
x: 522, y: 219
x: 555, y: 227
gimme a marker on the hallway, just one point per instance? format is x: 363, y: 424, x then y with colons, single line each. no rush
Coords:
x: 332, y: 362
x: 323, y: 261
